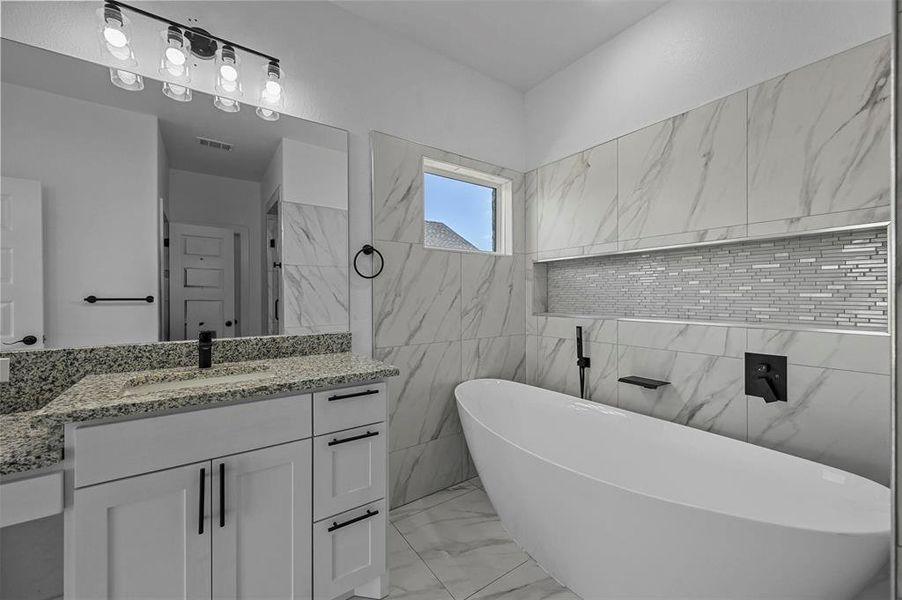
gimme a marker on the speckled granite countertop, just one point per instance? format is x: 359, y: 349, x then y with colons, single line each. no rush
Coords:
x: 34, y: 439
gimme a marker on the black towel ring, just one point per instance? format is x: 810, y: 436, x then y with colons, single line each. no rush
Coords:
x: 367, y: 250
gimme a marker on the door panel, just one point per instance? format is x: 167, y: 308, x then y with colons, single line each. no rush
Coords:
x: 21, y: 263
x: 262, y: 547
x: 140, y: 537
x: 202, y: 280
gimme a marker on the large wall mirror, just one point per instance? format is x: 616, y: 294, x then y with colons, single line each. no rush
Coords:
x: 128, y: 216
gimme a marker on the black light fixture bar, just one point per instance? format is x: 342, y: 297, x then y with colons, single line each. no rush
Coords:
x: 195, y: 30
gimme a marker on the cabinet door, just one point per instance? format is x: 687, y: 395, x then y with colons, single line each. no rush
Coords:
x: 143, y: 537
x: 262, y: 523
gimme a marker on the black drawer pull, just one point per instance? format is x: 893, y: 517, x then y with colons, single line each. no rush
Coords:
x: 222, y: 494
x: 369, y: 513
x: 362, y: 436
x: 354, y: 395
x: 200, y: 510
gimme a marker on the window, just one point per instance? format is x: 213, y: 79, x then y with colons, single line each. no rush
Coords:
x: 465, y: 209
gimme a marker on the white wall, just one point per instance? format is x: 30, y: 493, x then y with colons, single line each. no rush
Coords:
x: 684, y: 55
x: 341, y: 71
x: 314, y: 175
x: 98, y: 171
x: 202, y: 199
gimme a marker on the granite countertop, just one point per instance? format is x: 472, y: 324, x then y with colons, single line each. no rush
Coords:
x: 34, y: 439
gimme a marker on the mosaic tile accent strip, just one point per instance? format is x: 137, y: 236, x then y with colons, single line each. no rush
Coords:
x: 838, y: 280
x: 38, y: 376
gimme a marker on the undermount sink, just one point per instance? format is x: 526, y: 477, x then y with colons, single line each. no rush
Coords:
x: 179, y: 380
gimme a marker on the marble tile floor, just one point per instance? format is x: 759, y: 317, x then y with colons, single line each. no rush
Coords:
x: 451, y: 546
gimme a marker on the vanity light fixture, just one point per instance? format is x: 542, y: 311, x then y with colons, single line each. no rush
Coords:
x: 179, y: 43
x: 126, y: 80
x: 115, y: 35
x: 174, y: 62
x: 177, y: 92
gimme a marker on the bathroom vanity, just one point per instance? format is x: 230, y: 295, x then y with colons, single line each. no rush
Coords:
x: 256, y: 479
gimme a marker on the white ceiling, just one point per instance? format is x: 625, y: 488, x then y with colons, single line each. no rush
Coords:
x: 520, y: 42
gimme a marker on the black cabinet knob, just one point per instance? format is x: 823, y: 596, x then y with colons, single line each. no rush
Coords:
x: 228, y: 323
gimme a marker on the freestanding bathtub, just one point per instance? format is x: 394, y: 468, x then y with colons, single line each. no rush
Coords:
x: 614, y: 504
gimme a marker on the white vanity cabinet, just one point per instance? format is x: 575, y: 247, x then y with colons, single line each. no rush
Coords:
x: 290, y: 518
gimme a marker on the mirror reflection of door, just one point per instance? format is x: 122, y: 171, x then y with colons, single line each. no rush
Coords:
x: 273, y: 266
x: 202, y: 278
x: 21, y: 264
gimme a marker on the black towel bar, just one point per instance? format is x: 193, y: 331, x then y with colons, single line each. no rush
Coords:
x: 93, y: 299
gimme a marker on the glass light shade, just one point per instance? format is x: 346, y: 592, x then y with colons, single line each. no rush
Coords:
x: 126, y: 80
x: 267, y: 114
x: 115, y: 35
x: 177, y: 92
x: 272, y: 96
x: 226, y: 104
x: 228, y: 72
x: 174, y: 55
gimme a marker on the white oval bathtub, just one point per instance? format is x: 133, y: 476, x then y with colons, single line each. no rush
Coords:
x: 614, y: 504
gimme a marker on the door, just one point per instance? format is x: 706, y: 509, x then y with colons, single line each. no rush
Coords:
x: 262, y: 523
x: 21, y: 264
x: 144, y: 537
x: 201, y: 281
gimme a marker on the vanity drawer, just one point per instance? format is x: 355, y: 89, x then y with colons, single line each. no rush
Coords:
x: 348, y: 550
x: 348, y: 469
x: 125, y: 448
x: 345, y: 408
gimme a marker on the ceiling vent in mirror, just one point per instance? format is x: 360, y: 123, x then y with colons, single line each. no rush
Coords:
x: 214, y: 144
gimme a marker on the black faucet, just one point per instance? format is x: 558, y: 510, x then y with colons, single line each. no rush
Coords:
x: 583, y: 362
x: 205, y: 349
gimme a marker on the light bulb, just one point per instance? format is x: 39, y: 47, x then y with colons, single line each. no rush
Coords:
x: 267, y: 114
x: 273, y: 89
x: 228, y: 72
x: 114, y: 35
x: 175, y: 56
x: 174, y: 61
x: 177, y: 92
x: 226, y: 104
x: 126, y: 80
x: 271, y: 96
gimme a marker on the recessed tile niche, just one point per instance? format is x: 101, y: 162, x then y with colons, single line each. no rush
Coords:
x: 836, y: 280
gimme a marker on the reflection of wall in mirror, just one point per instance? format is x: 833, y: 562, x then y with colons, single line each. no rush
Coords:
x: 312, y: 186
x: 98, y: 169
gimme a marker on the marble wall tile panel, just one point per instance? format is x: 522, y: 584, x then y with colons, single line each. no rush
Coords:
x: 687, y: 173
x: 422, y: 406
x: 314, y: 235
x: 417, y: 298
x: 838, y: 418
x: 493, y: 295
x: 819, y: 136
x: 577, y: 199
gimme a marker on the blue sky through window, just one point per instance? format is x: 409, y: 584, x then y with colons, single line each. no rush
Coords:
x: 465, y: 207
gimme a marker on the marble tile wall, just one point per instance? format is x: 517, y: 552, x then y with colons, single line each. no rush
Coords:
x: 804, y: 151
x: 314, y: 269
x: 440, y: 316
x: 838, y: 411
